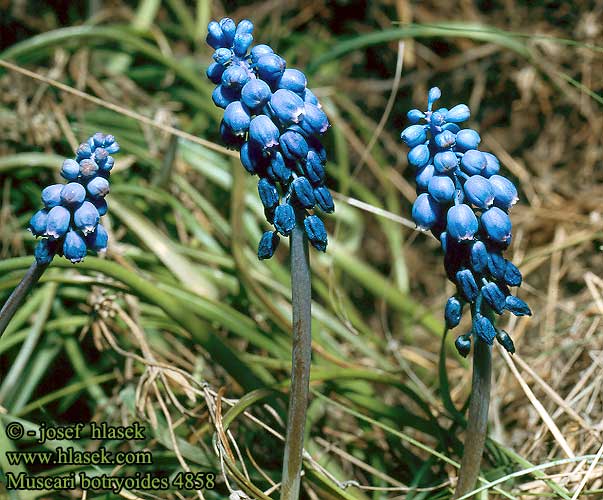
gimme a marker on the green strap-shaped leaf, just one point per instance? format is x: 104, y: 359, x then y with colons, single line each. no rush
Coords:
x: 176, y: 309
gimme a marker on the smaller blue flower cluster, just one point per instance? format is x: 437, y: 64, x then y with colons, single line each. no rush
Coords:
x: 69, y: 222
x: 275, y: 121
x: 464, y: 201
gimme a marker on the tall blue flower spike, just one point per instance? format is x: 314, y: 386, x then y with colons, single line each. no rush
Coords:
x: 69, y: 224
x: 464, y: 202
x: 275, y: 122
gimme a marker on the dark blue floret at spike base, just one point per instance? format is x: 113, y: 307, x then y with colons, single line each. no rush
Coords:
x: 69, y: 224
x: 275, y: 122
x: 464, y: 201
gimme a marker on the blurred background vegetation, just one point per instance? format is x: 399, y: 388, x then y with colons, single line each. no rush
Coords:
x: 137, y: 335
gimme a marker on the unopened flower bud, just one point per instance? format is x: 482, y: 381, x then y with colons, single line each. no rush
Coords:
x: 483, y: 328
x: 453, y: 312
x: 268, y: 245
x: 316, y: 232
x: 463, y: 345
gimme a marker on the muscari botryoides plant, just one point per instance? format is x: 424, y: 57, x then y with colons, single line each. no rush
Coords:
x: 69, y: 224
x: 275, y: 122
x: 464, y: 201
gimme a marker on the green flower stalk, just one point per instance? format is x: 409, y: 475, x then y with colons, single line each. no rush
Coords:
x: 10, y: 307
x: 69, y: 224
x: 275, y: 122
x: 300, y: 363
x: 464, y: 202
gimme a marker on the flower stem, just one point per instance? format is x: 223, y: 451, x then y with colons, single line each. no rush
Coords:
x: 478, y: 418
x: 301, y: 359
x: 16, y: 298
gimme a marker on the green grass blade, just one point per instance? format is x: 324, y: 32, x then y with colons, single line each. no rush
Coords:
x: 445, y: 29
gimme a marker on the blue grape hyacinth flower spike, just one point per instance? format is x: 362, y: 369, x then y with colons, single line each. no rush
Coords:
x: 464, y: 201
x: 275, y: 122
x: 69, y: 224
